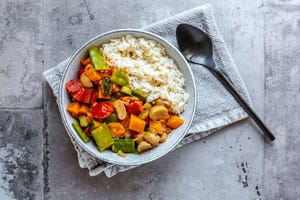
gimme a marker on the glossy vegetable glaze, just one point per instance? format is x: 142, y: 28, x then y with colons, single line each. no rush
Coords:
x: 115, y: 116
x: 71, y: 72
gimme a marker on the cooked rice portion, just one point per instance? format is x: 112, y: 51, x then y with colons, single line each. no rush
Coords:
x: 149, y: 68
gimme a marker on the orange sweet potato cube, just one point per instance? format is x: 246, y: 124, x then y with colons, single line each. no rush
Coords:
x: 156, y: 126
x: 84, y: 109
x: 175, y: 121
x: 73, y: 109
x: 136, y: 124
x: 91, y: 73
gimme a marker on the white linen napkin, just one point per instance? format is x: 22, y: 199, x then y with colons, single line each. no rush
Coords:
x: 216, y: 108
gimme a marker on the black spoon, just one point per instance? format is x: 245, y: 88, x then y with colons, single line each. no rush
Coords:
x: 196, y: 46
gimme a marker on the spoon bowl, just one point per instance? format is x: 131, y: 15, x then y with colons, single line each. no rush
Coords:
x: 195, y: 45
x: 197, y: 48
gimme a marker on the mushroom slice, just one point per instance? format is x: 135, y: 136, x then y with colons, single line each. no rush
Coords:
x: 120, y: 109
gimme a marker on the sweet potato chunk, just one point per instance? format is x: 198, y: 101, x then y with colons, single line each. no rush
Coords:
x: 91, y: 73
x: 156, y: 126
x: 136, y: 124
x: 174, y: 122
x: 76, y: 109
x: 73, y: 109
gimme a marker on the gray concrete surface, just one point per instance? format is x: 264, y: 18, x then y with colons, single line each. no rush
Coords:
x: 37, y: 160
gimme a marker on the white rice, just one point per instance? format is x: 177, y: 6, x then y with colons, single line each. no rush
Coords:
x: 149, y: 68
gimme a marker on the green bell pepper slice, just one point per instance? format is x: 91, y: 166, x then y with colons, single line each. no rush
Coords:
x: 145, y: 113
x: 125, y: 145
x: 102, y: 137
x: 139, y: 93
x: 80, y: 132
x: 125, y: 90
x: 119, y: 78
x: 94, y: 124
x: 97, y: 59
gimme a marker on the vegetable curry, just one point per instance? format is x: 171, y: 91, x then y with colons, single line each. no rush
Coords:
x: 114, y: 115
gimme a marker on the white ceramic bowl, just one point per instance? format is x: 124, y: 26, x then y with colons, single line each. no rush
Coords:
x: 175, y: 136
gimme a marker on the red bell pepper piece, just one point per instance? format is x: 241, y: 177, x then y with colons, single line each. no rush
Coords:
x: 79, y: 93
x: 102, y: 110
x: 133, y: 134
x: 135, y: 107
x: 84, y: 95
x: 74, y: 86
x: 80, y: 71
x: 91, y: 95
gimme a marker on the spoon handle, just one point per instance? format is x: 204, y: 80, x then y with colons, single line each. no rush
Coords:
x: 227, y: 84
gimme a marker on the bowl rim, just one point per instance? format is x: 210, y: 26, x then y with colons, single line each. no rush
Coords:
x: 61, y: 87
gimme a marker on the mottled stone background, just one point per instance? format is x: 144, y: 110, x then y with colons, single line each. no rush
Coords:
x: 37, y: 160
